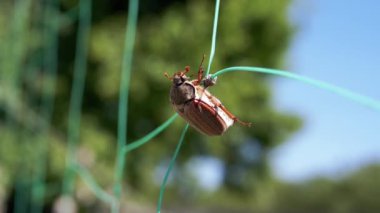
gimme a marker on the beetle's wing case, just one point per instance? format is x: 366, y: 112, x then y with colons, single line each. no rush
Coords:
x: 205, y: 116
x: 207, y: 120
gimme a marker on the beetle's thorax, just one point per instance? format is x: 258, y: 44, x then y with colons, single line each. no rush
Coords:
x: 182, y: 91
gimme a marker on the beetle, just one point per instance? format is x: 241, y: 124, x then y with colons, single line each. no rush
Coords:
x: 193, y: 102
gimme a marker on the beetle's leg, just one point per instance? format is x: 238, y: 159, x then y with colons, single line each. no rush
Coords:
x: 200, y: 75
x: 203, y: 58
x: 201, y: 70
x: 208, y: 81
x: 217, y: 103
x: 233, y: 117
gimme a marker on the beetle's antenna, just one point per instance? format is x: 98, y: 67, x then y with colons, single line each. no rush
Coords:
x: 167, y: 76
x: 187, y: 69
x: 203, y: 58
x: 200, y: 73
x: 182, y: 73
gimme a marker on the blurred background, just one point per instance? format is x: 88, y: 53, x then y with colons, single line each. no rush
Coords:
x: 308, y: 150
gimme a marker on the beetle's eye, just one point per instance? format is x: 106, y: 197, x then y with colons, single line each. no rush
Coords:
x: 177, y: 80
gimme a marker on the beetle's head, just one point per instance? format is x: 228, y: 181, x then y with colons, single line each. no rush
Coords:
x: 179, y: 77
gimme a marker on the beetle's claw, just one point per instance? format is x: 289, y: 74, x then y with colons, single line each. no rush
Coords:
x: 209, y: 81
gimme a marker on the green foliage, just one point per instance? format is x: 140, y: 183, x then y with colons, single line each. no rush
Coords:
x: 357, y: 192
x: 250, y: 33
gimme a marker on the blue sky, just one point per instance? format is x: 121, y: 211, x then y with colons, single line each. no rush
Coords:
x: 337, y: 42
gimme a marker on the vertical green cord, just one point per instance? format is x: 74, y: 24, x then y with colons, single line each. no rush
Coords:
x: 213, y: 40
x: 80, y: 67
x: 18, y: 47
x: 91, y: 183
x: 18, y: 44
x: 50, y: 68
x: 358, y: 98
x: 168, y: 171
x: 212, y: 53
x: 123, y: 97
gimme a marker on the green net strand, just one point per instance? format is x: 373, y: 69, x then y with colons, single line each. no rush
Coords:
x: 71, y: 14
x: 16, y: 46
x: 172, y: 161
x: 123, y: 97
x: 90, y: 181
x: 76, y: 97
x: 170, y: 167
x: 18, y: 40
x: 21, y: 196
x: 50, y: 61
x: 136, y: 144
x: 92, y: 185
x: 12, y: 54
x: 358, y: 98
x: 213, y: 40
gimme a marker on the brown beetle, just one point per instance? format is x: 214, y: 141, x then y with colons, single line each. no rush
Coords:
x: 199, y: 107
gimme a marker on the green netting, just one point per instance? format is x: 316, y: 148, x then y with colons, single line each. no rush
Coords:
x: 123, y: 99
x: 358, y: 98
x: 16, y: 45
x: 170, y: 167
x: 76, y: 98
x: 50, y: 57
x: 213, y: 39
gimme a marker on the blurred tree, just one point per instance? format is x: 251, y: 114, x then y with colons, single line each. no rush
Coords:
x: 357, y: 192
x: 249, y: 33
